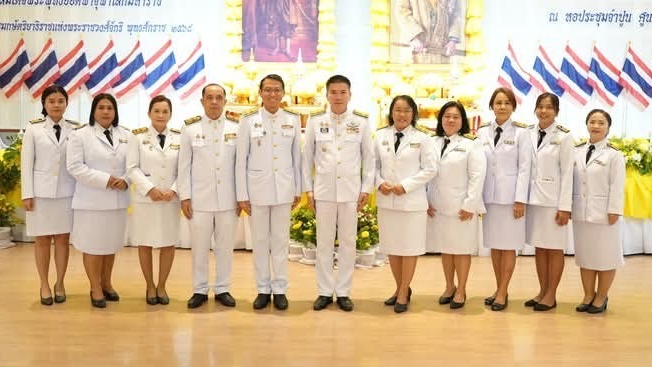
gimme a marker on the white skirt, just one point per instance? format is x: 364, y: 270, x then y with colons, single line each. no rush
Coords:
x: 542, y: 231
x: 402, y: 233
x: 154, y: 224
x: 500, y: 230
x: 50, y: 216
x: 597, y: 246
x: 99, y: 232
x: 455, y: 237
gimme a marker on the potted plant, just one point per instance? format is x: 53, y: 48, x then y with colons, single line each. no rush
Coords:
x: 303, y: 230
x: 366, y: 239
x: 9, y: 179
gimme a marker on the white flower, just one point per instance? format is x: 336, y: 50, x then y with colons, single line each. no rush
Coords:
x: 636, y: 157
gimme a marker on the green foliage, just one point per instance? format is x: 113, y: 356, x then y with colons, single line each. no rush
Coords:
x: 7, y: 213
x: 9, y: 179
x: 637, y: 152
x: 367, y: 228
x: 303, y: 227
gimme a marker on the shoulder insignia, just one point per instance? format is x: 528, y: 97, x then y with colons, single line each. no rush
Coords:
x: 232, y: 116
x: 360, y: 113
x: 520, y: 124
x: 192, y: 120
x: 140, y: 130
x: 580, y: 144
x: 563, y: 128
x: 36, y: 121
x: 382, y: 127
x: 77, y: 123
x: 484, y: 125
x: 291, y: 111
x: 425, y: 129
x: 249, y: 112
x: 176, y: 131
x: 610, y: 145
x: 81, y: 126
x: 317, y: 113
x: 126, y: 128
x: 469, y: 136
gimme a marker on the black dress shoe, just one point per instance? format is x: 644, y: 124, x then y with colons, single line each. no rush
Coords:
x: 530, y: 303
x: 495, y: 306
x: 162, y: 300
x: 226, y: 299
x: 46, y: 301
x: 112, y: 296
x: 59, y: 298
x: 444, y: 300
x: 151, y: 300
x: 455, y: 305
x: 321, y: 302
x: 391, y: 301
x: 261, y: 301
x: 542, y: 307
x: 489, y: 300
x: 594, y: 309
x: 583, y: 307
x: 99, y: 303
x: 400, y: 308
x: 280, y: 302
x: 345, y: 303
x: 197, y: 300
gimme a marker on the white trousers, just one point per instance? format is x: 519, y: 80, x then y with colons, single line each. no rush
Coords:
x: 344, y: 215
x: 204, y: 227
x: 270, y: 234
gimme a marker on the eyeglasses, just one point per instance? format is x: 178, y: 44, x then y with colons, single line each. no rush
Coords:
x: 272, y: 90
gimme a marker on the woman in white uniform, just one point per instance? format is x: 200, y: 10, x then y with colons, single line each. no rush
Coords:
x: 598, y: 196
x: 97, y: 155
x: 508, y: 151
x: 155, y: 213
x: 47, y: 189
x: 405, y: 163
x: 549, y: 204
x: 455, y: 197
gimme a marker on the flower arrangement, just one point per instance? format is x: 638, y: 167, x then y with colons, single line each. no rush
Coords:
x: 367, y: 228
x: 7, y: 214
x: 9, y: 179
x: 303, y: 227
x: 637, y: 152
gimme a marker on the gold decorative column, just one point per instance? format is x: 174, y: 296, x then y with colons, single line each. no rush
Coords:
x: 475, y: 47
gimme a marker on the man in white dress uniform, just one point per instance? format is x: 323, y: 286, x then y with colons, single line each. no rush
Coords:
x: 206, y: 188
x: 338, y: 146
x: 268, y: 182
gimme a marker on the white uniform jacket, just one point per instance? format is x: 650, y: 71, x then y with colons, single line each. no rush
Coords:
x: 92, y: 160
x: 149, y: 165
x: 268, y: 161
x: 413, y: 165
x: 460, y: 178
x: 337, y: 149
x: 551, y: 178
x: 207, y: 163
x: 43, y: 160
x: 599, y: 185
x: 508, y: 163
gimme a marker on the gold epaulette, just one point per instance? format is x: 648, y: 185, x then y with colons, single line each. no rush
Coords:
x: 563, y: 129
x: 610, y: 145
x: 360, y: 113
x: 291, y: 111
x: 176, y: 131
x: 580, y: 144
x: 484, y: 125
x: 317, y: 113
x: 520, y: 124
x: 140, y: 130
x: 470, y: 136
x: 425, y: 129
x: 249, y: 112
x: 382, y: 127
x: 81, y: 127
x: 192, y: 120
x: 76, y: 123
x: 232, y: 116
x: 36, y: 121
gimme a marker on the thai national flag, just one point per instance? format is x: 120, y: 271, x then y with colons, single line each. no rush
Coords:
x: 636, y: 79
x: 161, y: 70
x: 191, y: 73
x: 132, y: 72
x: 573, y: 77
x: 73, y: 69
x: 14, y: 70
x: 45, y: 70
x: 545, y: 74
x: 513, y: 76
x: 603, y: 77
x: 104, y: 71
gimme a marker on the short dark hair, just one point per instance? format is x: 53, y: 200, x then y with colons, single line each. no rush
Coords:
x: 604, y: 113
x: 54, y: 88
x: 410, y: 102
x: 96, y: 101
x: 203, y: 90
x: 338, y: 79
x: 506, y: 91
x: 157, y: 99
x: 272, y: 77
x: 465, y: 121
x: 553, y: 99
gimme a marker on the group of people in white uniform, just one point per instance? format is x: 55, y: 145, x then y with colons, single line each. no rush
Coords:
x: 519, y: 182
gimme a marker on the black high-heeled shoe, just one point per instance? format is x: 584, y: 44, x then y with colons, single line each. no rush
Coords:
x: 583, y: 307
x: 391, y: 301
x: 112, y: 296
x: 489, y: 300
x: 151, y: 300
x: 444, y: 300
x: 400, y: 307
x: 455, y: 305
x: 594, y: 309
x: 59, y: 298
x: 542, y: 307
x: 99, y: 303
x: 46, y: 301
x: 495, y: 306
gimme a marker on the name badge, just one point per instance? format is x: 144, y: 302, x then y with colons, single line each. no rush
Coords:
x: 459, y: 150
x: 555, y: 142
x: 600, y: 162
x: 174, y: 146
x: 323, y: 130
x: 145, y: 142
x: 230, y: 136
x: 123, y: 140
x: 287, y: 126
x: 352, y: 130
x: 385, y: 142
x: 415, y: 145
x: 509, y: 142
